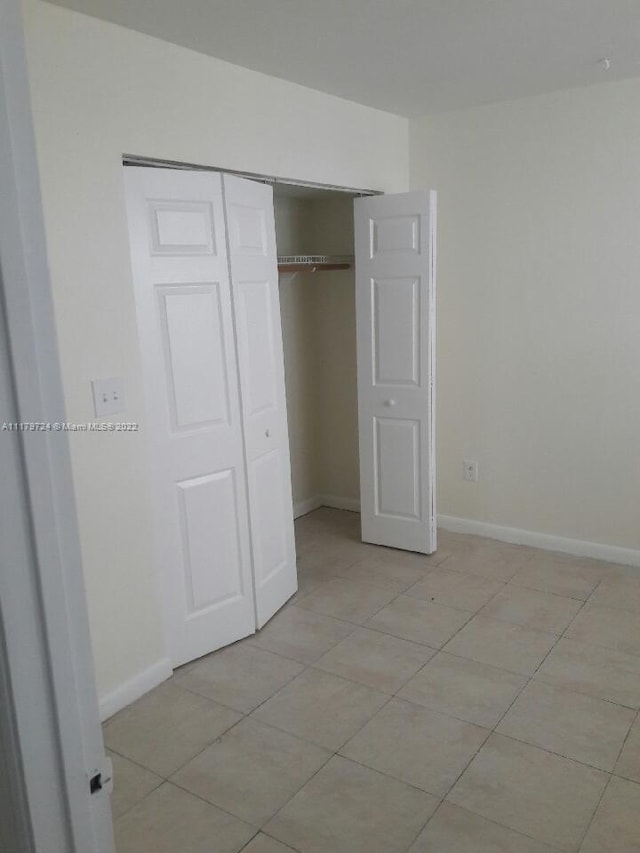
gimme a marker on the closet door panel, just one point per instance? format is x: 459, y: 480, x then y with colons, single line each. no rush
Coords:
x: 256, y: 340
x: 270, y: 526
x: 254, y: 284
x: 193, y: 343
x: 209, y: 510
x: 395, y: 314
x: 185, y: 325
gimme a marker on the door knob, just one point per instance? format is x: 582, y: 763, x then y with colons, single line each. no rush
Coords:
x: 267, y: 433
x: 389, y: 402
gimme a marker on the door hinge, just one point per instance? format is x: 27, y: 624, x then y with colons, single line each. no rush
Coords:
x: 101, y: 778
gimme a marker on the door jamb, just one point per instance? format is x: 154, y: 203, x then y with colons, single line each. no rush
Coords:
x: 42, y: 601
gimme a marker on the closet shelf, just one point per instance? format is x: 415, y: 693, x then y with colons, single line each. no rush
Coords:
x: 313, y: 263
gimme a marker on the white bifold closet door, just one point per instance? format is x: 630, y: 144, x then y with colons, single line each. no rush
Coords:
x: 254, y: 284
x: 223, y: 538
x: 395, y: 311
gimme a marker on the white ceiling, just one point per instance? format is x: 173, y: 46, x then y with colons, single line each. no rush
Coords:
x: 410, y: 57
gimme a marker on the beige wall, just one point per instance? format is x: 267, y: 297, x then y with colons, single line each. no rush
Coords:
x: 539, y: 310
x: 300, y: 347
x: 318, y: 328
x: 100, y: 91
x: 332, y: 233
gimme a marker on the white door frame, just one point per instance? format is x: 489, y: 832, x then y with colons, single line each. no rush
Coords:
x: 52, y: 710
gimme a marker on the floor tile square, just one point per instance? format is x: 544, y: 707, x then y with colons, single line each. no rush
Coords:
x: 387, y: 573
x: 252, y: 770
x: 621, y: 593
x: 167, y: 727
x: 240, y: 676
x: 531, y: 791
x: 570, y: 577
x: 455, y: 830
x: 347, y: 808
x: 324, y: 563
x: 451, y: 541
x: 502, y: 644
x: 170, y: 819
x: 616, y: 824
x: 306, y: 584
x: 301, y: 634
x: 542, y: 611
x: 593, y: 670
x: 580, y: 727
x: 352, y: 601
x: 375, y: 659
x: 322, y: 708
x: 463, y: 688
x: 454, y: 589
x: 131, y: 783
x: 416, y: 745
x: 628, y: 764
x: 604, y: 626
x: 419, y: 621
x: 492, y: 560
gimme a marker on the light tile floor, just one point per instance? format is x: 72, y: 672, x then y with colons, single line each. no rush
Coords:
x: 482, y: 700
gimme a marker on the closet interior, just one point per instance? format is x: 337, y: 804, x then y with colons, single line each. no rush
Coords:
x: 317, y: 305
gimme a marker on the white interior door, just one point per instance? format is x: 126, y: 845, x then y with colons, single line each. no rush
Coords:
x: 185, y: 322
x: 395, y: 302
x: 254, y: 281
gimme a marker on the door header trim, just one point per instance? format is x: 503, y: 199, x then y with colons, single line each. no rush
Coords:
x: 156, y: 163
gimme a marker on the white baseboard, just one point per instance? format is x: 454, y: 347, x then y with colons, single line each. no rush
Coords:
x: 308, y: 505
x: 333, y: 501
x: 578, y: 547
x: 134, y: 688
x: 545, y: 541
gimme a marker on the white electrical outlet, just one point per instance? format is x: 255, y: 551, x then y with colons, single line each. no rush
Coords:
x: 108, y: 396
x: 470, y: 470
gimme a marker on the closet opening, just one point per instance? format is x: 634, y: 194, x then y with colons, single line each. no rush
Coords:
x: 315, y: 246
x: 278, y: 379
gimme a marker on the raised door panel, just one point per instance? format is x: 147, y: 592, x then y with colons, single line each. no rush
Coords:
x: 397, y: 468
x: 396, y: 335
x: 394, y: 234
x: 195, y: 355
x: 254, y: 322
x: 181, y: 228
x: 211, y: 552
x: 247, y: 230
x: 270, y: 526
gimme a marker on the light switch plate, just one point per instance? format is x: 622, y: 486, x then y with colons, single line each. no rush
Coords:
x: 108, y: 396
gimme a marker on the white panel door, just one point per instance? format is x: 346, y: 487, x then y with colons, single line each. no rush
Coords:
x: 395, y: 302
x: 185, y: 323
x: 254, y: 284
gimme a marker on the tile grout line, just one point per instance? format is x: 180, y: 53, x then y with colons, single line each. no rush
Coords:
x: 472, y: 614
x: 494, y: 729
x: 636, y: 719
x: 594, y: 812
x: 611, y: 776
x: 395, y: 695
x: 312, y: 665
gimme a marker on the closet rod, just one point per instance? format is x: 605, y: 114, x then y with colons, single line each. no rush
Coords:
x: 155, y: 163
x: 314, y: 263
